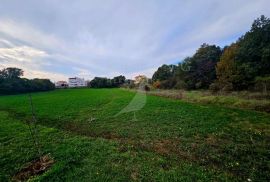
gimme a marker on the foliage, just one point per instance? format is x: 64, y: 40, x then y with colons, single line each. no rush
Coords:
x: 247, y: 59
x: 194, y: 72
x: 11, y: 83
x: 262, y: 84
x: 11, y: 73
x: 118, y: 81
x: 253, y: 58
x: 129, y: 84
x: 146, y: 88
x: 140, y: 79
x: 226, y: 69
x: 99, y: 82
x: 157, y: 84
x: 164, y: 72
x: 202, y: 64
x: 233, y: 68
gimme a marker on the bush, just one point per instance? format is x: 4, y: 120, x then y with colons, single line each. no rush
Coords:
x: 214, y: 87
x: 157, y: 84
x: 167, y: 84
x: 180, y: 85
x: 146, y: 88
x: 262, y: 84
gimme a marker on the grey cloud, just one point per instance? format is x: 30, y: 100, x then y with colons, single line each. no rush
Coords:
x: 120, y: 36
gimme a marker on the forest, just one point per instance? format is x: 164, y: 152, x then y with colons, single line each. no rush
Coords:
x: 243, y: 65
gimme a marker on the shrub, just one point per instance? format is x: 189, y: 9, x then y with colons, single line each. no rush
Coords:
x: 157, y: 84
x: 180, y: 85
x: 146, y: 88
x: 262, y: 84
x: 214, y: 87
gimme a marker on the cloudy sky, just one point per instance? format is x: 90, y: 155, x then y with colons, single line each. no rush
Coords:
x: 57, y: 39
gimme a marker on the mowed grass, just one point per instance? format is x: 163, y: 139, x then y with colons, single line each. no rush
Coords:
x: 171, y: 140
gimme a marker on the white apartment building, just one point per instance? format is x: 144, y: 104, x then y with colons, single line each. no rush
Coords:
x: 76, y: 82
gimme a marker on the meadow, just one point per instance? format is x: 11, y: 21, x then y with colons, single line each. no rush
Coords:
x: 257, y: 101
x: 171, y: 140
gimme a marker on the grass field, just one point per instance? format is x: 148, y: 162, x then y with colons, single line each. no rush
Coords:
x: 171, y: 140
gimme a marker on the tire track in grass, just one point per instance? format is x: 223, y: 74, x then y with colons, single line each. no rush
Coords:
x: 168, y: 148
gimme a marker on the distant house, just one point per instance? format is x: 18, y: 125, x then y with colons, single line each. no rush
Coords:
x: 61, y: 84
x: 76, y: 82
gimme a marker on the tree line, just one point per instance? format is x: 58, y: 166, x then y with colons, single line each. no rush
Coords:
x: 12, y: 83
x: 242, y: 65
x: 102, y: 82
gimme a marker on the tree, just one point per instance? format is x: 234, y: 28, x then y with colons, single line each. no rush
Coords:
x: 262, y: 84
x: 100, y: 82
x: 11, y: 73
x: 226, y: 68
x: 202, y: 67
x: 181, y: 72
x: 253, y: 57
x: 41, y: 84
x: 194, y: 72
x: 118, y: 81
x: 164, y: 72
x: 140, y: 79
x: 11, y: 83
x: 235, y: 67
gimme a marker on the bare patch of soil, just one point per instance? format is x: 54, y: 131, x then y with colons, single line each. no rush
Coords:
x: 34, y: 168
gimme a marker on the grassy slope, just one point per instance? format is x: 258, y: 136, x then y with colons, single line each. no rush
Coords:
x: 171, y: 140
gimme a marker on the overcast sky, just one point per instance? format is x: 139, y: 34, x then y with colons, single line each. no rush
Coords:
x: 57, y: 39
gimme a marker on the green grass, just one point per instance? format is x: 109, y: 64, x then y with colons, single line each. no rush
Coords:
x: 171, y: 140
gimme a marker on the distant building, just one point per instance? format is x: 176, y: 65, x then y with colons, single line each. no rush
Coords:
x: 61, y: 84
x: 76, y: 82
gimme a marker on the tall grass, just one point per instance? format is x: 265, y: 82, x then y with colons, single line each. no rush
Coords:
x: 246, y: 100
